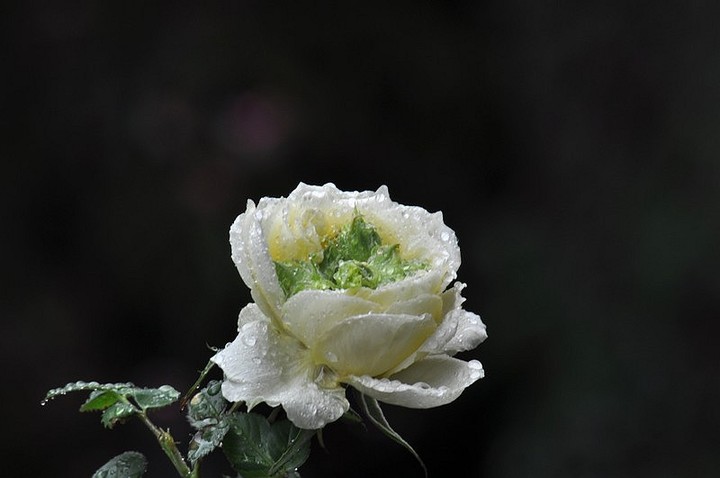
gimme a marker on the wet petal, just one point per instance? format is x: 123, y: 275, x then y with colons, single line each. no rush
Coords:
x: 252, y: 259
x: 310, y: 313
x: 428, y: 383
x: 372, y: 344
x: 309, y: 406
x: 470, y: 332
x: 460, y: 330
x: 261, y: 365
x: 418, y: 305
x: 422, y: 283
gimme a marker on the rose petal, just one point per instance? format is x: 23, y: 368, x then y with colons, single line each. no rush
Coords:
x: 452, y: 298
x: 418, y: 305
x: 252, y: 259
x: 459, y: 330
x: 309, y: 313
x: 428, y: 383
x: 311, y: 407
x: 371, y: 344
x: 261, y: 365
x: 421, y: 234
x: 429, y: 282
x: 469, y: 329
x: 291, y: 229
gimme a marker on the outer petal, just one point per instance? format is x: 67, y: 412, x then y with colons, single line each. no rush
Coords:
x: 251, y: 257
x: 311, y: 407
x: 428, y: 383
x: 371, y: 344
x: 460, y: 330
x: 262, y: 365
x: 470, y: 331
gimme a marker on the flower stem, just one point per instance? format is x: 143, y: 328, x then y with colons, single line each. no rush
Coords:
x: 196, y: 385
x: 167, y: 443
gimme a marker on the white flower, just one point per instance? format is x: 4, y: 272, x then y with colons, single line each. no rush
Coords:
x: 387, y: 324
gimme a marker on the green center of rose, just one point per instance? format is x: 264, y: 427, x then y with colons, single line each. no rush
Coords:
x: 354, y: 257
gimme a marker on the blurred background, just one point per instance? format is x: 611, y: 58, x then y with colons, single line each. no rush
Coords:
x: 573, y: 149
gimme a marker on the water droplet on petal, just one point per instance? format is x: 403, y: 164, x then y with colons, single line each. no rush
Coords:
x: 256, y: 360
x: 249, y: 340
x: 476, y: 370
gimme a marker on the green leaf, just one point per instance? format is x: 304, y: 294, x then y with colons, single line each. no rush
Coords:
x: 353, y: 274
x: 207, y: 406
x: 372, y: 409
x: 100, y: 400
x: 113, y: 398
x: 117, y: 412
x: 130, y: 464
x: 154, y: 397
x: 388, y: 266
x: 295, y: 445
x: 355, y: 242
x: 206, y: 413
x: 295, y: 276
x: 257, y: 449
x: 206, y: 440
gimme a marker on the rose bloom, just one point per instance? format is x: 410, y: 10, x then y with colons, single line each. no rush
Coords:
x: 350, y: 289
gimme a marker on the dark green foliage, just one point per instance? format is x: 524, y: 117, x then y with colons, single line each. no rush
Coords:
x: 130, y: 464
x: 258, y: 449
x: 206, y: 413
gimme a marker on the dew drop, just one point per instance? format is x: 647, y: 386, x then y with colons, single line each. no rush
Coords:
x: 256, y: 360
x: 476, y: 370
x: 331, y: 357
x: 249, y: 340
x: 445, y: 236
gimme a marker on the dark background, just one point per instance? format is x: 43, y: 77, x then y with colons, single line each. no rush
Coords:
x: 573, y: 149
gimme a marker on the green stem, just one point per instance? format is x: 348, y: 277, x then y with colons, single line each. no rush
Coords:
x: 196, y: 385
x: 196, y: 470
x: 167, y: 443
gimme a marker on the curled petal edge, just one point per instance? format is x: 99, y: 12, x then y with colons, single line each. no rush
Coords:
x: 429, y: 383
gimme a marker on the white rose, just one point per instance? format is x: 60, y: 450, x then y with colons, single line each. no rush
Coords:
x: 393, y: 340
